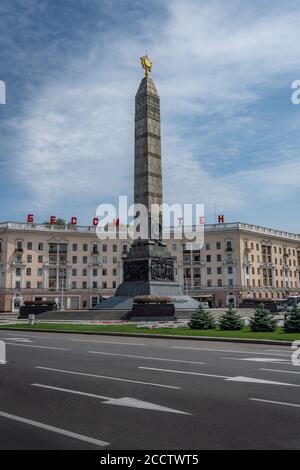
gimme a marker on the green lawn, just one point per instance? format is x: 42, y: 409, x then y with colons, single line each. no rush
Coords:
x: 245, y: 333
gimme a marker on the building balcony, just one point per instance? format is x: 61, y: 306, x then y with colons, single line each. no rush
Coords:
x: 229, y: 249
x: 19, y: 250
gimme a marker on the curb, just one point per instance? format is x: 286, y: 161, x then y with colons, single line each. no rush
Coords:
x: 161, y: 336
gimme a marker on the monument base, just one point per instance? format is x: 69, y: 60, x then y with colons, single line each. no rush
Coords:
x: 148, y: 269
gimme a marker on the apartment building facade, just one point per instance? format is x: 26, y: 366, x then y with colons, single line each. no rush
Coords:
x: 70, y: 265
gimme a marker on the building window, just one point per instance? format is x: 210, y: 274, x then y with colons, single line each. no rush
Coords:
x: 39, y: 285
x: 95, y: 250
x: 174, y: 247
x: 84, y: 285
x: 115, y: 260
x: 219, y: 258
x: 84, y: 272
x: 40, y: 258
x: 115, y: 248
x: 28, y: 272
x: 218, y: 245
x: 104, y: 272
x: 18, y: 284
x: 29, y: 258
x: 209, y: 283
x: 219, y: 270
x: 230, y: 282
x: 85, y: 247
x: 29, y: 245
x: 84, y: 259
x: 219, y: 282
x: 104, y: 248
x: 74, y: 272
x: 18, y: 271
x: 74, y: 259
x: 208, y: 270
x: 114, y: 272
x: 28, y: 285
x: 19, y: 245
x: 40, y: 246
x: 74, y: 247
x: 207, y: 246
x: 95, y: 272
x: 74, y: 285
x: 230, y: 270
x: 208, y: 258
x: 104, y: 260
x: 125, y: 248
x: 95, y: 284
x: 40, y: 272
x: 104, y: 285
x: 114, y: 284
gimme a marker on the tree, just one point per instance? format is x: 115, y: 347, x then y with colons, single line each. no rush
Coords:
x: 263, y: 320
x: 201, y: 319
x: 231, y: 320
x: 292, y: 322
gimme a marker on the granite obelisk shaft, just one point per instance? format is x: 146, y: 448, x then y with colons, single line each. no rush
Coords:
x: 147, y: 155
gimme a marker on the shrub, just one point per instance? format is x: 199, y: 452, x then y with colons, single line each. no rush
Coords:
x: 201, y: 319
x: 231, y: 320
x: 292, y: 323
x: 263, y: 320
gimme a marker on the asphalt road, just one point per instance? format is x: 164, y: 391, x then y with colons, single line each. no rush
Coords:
x: 64, y: 391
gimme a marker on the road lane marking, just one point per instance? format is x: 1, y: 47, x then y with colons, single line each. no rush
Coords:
x: 21, y: 340
x: 295, y: 405
x: 144, y: 357
x: 185, y: 372
x: 259, y: 381
x: 235, y: 351
x: 106, y: 342
x: 227, y: 378
x: 35, y: 346
x: 107, y: 377
x: 257, y: 359
x: 124, y: 401
x: 282, y: 371
x: 54, y: 429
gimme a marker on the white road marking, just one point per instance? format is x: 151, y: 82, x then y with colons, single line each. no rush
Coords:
x: 295, y: 405
x: 185, y: 372
x: 235, y: 351
x: 227, y: 378
x: 257, y: 359
x: 74, y: 392
x: 21, y: 340
x: 106, y: 342
x: 144, y: 357
x: 282, y: 371
x: 125, y: 401
x: 39, y: 347
x: 47, y: 427
x: 259, y: 381
x: 107, y: 378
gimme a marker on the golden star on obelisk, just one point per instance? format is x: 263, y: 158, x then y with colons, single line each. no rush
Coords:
x: 146, y: 64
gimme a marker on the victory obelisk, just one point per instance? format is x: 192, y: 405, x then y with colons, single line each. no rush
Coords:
x: 148, y: 267
x: 147, y: 152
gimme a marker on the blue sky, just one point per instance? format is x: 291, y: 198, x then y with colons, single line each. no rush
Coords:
x: 223, y: 70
